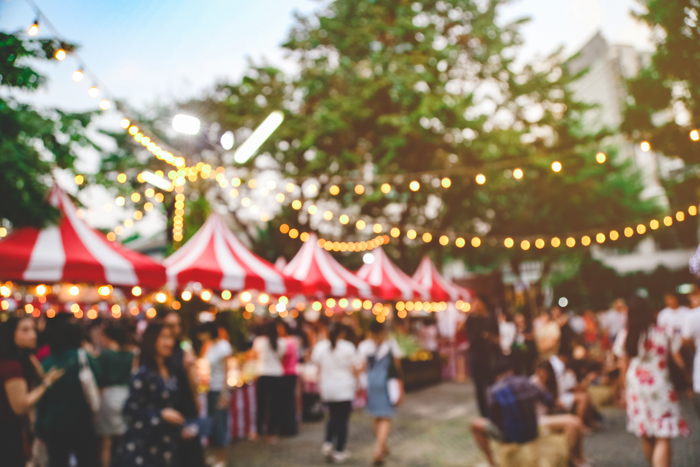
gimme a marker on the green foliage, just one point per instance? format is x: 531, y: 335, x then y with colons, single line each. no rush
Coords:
x: 386, y: 89
x: 32, y: 142
x: 665, y: 99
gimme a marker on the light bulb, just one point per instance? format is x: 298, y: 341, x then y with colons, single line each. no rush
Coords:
x: 104, y: 104
x: 77, y: 76
x: 60, y: 54
x: 34, y: 28
x: 93, y: 91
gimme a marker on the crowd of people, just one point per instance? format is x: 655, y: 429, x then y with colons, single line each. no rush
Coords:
x: 125, y: 393
x: 535, y: 377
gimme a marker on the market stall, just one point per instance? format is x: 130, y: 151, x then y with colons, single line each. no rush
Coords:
x: 217, y: 260
x: 321, y: 275
x: 73, y: 252
x: 452, y: 350
x: 391, y: 282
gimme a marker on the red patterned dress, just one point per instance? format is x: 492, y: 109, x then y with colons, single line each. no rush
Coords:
x: 652, y: 401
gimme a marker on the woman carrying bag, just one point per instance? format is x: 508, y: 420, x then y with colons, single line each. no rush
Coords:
x: 381, y: 360
x: 65, y: 413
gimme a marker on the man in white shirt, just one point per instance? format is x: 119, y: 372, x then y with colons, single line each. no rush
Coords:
x: 674, y: 316
x: 615, y: 320
x: 691, y: 338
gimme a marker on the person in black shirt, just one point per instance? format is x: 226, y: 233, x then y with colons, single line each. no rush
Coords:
x: 482, y: 333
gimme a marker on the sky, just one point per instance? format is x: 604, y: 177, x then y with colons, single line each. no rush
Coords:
x: 145, y: 52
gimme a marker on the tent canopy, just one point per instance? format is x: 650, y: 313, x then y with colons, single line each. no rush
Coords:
x: 73, y: 252
x: 218, y: 260
x: 320, y: 273
x: 393, y: 283
x: 441, y: 290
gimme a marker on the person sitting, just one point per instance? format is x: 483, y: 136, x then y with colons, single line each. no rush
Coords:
x: 573, y: 395
x: 513, y: 416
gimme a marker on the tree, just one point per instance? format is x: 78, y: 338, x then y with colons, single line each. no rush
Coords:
x: 33, y: 142
x: 664, y: 104
x: 431, y: 87
x: 394, y: 92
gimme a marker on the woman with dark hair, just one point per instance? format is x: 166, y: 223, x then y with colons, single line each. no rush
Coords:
x: 483, y: 336
x: 546, y: 377
x: 64, y: 417
x: 381, y: 359
x: 336, y: 359
x: 116, y: 362
x: 268, y: 350
x: 19, y: 392
x: 653, y: 411
x: 154, y: 427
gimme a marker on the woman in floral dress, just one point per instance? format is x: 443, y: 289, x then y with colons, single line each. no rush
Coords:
x: 153, y: 426
x: 653, y: 412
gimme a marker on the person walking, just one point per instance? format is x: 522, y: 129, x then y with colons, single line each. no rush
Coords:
x: 19, y: 391
x: 381, y: 360
x: 484, y: 340
x: 183, y: 365
x: 336, y: 359
x: 524, y: 348
x: 153, y: 425
x: 64, y: 418
x: 216, y: 353
x: 268, y: 350
x: 116, y: 362
x: 290, y: 359
x: 653, y: 411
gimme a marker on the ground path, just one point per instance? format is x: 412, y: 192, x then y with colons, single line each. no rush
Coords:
x: 431, y: 429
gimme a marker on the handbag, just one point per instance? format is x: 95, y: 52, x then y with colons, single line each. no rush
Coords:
x: 88, y: 383
x: 393, y: 384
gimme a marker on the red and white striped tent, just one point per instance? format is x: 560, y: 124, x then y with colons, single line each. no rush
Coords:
x: 441, y: 290
x: 393, y: 283
x: 73, y: 252
x: 215, y: 258
x: 320, y: 274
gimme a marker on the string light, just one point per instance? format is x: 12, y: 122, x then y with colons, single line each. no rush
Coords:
x: 695, y: 135
x: 93, y: 91
x: 414, y: 185
x: 600, y: 158
x: 385, y: 188
x: 60, y: 54
x: 518, y: 174
x: 481, y: 179
x: 34, y: 28
x: 104, y: 104
x: 476, y: 242
x: 556, y: 166
x: 645, y: 146
x: 77, y: 76
x: 508, y: 242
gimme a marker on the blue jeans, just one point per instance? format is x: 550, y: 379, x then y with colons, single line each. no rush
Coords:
x: 219, y: 420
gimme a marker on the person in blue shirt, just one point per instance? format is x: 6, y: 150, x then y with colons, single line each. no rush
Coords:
x: 513, y: 416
